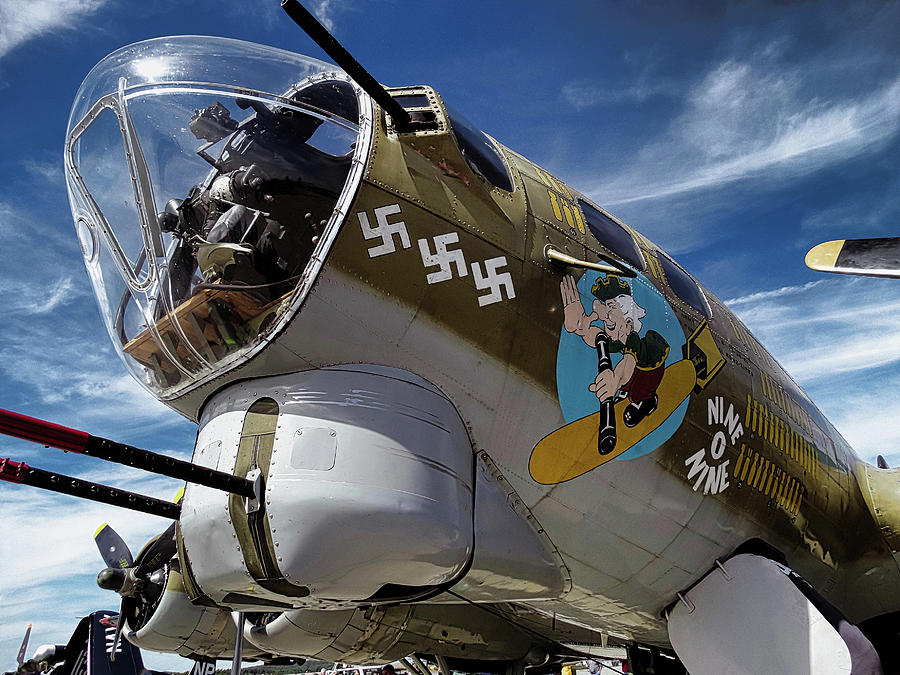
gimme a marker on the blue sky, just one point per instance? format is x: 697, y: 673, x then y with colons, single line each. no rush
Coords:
x: 734, y: 135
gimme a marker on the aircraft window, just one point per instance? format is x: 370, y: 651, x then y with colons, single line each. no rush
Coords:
x: 335, y: 96
x: 412, y: 100
x: 107, y: 180
x: 208, y: 195
x: 612, y: 235
x: 233, y: 241
x: 479, y: 153
x: 684, y: 285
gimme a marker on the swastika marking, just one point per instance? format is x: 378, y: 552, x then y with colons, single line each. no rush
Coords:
x: 442, y: 257
x: 384, y: 230
x: 493, y: 281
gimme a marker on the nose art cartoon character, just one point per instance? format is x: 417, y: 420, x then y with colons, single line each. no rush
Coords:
x: 614, y: 326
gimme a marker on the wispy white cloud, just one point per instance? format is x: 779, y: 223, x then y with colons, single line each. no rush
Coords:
x: 840, y: 339
x: 30, y: 298
x: 61, y: 536
x: 639, y: 78
x: 763, y: 115
x: 54, y: 351
x: 73, y: 374
x: 584, y: 94
x: 868, y: 420
x: 60, y: 365
x: 837, y: 356
x: 750, y: 120
x: 55, y: 526
x: 49, y: 171
x: 56, y: 295
x: 834, y: 304
x: 324, y: 11
x: 776, y: 293
x: 22, y: 232
x: 23, y: 21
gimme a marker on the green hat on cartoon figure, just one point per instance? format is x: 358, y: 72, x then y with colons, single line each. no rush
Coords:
x: 610, y: 287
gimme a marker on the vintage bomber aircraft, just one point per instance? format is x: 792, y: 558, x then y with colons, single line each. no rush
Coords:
x: 447, y: 404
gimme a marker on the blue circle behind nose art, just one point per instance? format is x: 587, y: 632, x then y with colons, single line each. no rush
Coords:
x: 576, y: 363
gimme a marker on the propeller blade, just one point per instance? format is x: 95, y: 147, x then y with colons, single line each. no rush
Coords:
x: 863, y: 257
x: 113, y: 549
x: 320, y: 35
x: 120, y: 623
x: 157, y: 553
x: 20, y: 659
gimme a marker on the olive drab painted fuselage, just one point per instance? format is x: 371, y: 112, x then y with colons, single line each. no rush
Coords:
x: 441, y: 273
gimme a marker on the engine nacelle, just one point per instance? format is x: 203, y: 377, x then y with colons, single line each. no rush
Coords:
x: 368, y: 475
x: 381, y: 634
x: 176, y: 625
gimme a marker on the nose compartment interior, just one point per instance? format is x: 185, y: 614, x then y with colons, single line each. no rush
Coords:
x: 246, y: 187
x: 247, y: 232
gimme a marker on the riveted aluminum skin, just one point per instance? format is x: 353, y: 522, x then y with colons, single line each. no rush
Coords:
x: 212, y: 551
x: 387, y: 633
x: 370, y: 484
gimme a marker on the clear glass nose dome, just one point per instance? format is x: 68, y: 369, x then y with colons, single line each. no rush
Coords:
x: 207, y: 178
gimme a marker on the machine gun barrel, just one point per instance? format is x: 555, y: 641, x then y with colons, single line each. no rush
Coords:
x: 320, y: 35
x: 72, y: 440
x: 20, y: 472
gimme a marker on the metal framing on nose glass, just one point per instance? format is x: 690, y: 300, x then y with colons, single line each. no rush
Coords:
x: 150, y: 230
x: 141, y: 186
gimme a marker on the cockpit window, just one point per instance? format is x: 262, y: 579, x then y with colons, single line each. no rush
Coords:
x: 479, y: 152
x: 212, y: 200
x: 612, y: 235
x: 412, y: 100
x: 334, y: 96
x: 683, y: 284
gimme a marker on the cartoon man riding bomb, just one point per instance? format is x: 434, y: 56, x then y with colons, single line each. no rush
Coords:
x: 638, y: 374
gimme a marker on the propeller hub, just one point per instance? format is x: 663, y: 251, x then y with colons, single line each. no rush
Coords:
x: 112, y: 579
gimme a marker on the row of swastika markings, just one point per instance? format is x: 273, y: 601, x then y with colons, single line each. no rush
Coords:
x: 487, y: 274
